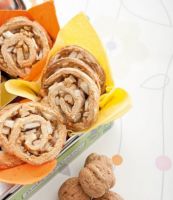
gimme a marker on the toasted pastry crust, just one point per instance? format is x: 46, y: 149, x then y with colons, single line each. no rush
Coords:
x: 74, y: 96
x: 22, y: 43
x: 31, y: 132
x: 76, y: 52
x: 8, y: 161
x: 70, y: 63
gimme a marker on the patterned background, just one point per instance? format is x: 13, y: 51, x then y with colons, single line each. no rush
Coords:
x: 138, y: 36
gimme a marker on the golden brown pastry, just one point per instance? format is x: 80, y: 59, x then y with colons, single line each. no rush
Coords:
x: 22, y: 43
x: 110, y: 196
x: 32, y: 133
x: 8, y: 160
x: 93, y: 157
x: 70, y: 63
x: 78, y: 53
x: 2, y: 79
x: 96, y: 179
x: 74, y: 96
x: 71, y: 190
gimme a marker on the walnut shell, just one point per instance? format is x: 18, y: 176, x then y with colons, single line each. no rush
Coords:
x: 110, y: 196
x: 93, y: 157
x: 71, y: 190
x: 96, y: 179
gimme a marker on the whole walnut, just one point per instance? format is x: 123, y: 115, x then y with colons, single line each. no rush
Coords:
x: 110, y: 196
x: 96, y: 178
x: 71, y: 190
x: 93, y: 157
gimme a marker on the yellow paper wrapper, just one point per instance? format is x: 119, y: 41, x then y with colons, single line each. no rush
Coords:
x: 7, y: 97
x: 115, y: 102
x: 80, y: 32
x: 24, y: 88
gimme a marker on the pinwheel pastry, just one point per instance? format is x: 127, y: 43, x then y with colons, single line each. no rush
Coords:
x: 32, y: 133
x: 85, y: 61
x: 73, y: 95
x: 70, y: 63
x: 7, y: 160
x: 22, y: 43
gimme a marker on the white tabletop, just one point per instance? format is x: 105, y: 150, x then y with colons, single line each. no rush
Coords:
x: 138, y: 35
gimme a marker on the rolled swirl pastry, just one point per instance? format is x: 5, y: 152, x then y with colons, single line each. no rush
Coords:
x: 85, y: 59
x: 71, y: 63
x: 7, y: 160
x: 32, y: 133
x: 74, y: 96
x: 22, y: 43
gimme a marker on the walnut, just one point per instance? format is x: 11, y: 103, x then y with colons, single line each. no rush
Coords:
x: 93, y: 157
x: 71, y: 190
x: 96, y: 178
x: 110, y: 196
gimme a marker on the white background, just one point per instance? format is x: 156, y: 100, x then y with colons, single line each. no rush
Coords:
x: 138, y: 36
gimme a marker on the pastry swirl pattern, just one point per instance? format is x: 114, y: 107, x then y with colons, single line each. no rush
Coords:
x: 74, y: 96
x: 71, y: 63
x: 32, y: 133
x: 87, y: 61
x: 22, y: 43
x: 7, y: 160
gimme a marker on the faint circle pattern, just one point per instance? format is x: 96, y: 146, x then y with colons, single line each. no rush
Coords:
x: 111, y: 45
x: 117, y: 160
x: 163, y: 163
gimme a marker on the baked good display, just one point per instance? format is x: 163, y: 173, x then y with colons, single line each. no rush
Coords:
x: 74, y: 96
x: 71, y: 84
x: 93, y: 157
x: 85, y: 58
x: 71, y: 190
x: 68, y: 89
x: 96, y: 179
x: 31, y: 132
x: 22, y: 43
x: 110, y: 196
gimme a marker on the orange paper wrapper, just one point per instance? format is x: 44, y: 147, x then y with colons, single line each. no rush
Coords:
x: 45, y: 14
x: 26, y: 174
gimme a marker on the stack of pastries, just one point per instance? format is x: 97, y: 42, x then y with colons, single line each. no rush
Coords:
x: 71, y: 85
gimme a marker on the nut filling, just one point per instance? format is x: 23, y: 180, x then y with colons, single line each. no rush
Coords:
x: 71, y: 63
x: 31, y: 132
x: 80, y: 54
x: 74, y: 96
x: 22, y: 44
